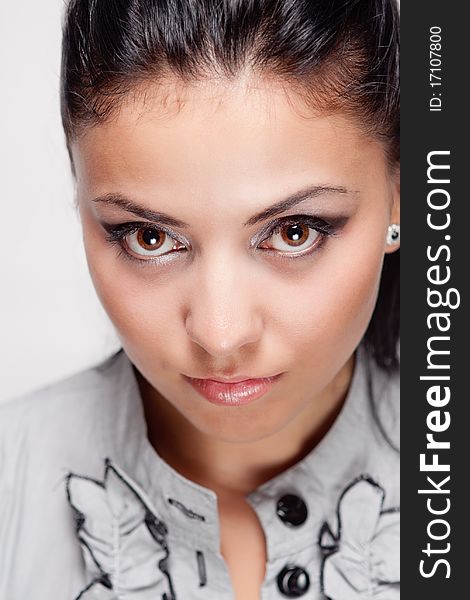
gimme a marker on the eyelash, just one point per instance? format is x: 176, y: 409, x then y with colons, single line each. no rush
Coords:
x: 116, y: 235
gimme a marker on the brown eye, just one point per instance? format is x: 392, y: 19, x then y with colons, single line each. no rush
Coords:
x: 148, y: 242
x: 292, y: 237
x: 295, y: 234
x: 150, y: 238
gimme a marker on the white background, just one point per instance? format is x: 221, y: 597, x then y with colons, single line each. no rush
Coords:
x: 51, y: 322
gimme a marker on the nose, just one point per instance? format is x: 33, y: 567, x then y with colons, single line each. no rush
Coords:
x: 222, y: 315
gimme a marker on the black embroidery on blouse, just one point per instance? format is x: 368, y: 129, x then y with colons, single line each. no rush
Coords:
x: 201, y: 567
x: 156, y: 527
x: 186, y: 511
x: 394, y: 509
x: 79, y: 520
x: 158, y: 531
x: 97, y: 581
x: 163, y: 566
x: 334, y: 545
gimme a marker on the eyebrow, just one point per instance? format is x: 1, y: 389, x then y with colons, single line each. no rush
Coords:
x: 121, y: 201
x: 313, y: 191
x: 305, y: 194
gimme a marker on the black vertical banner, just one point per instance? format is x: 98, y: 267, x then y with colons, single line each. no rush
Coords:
x: 435, y: 253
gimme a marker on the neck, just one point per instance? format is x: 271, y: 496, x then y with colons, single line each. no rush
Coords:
x: 212, y: 463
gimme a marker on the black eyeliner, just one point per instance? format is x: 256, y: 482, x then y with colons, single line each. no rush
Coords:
x: 326, y: 227
x: 116, y: 232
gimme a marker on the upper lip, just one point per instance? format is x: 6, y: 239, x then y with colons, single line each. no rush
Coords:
x: 234, y: 379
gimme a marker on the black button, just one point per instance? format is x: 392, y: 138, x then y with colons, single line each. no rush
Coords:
x: 293, y: 581
x: 292, y: 510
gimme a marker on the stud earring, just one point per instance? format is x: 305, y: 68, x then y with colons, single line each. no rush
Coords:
x: 393, y: 234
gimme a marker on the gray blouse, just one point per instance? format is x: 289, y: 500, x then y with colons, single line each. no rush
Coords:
x: 89, y: 510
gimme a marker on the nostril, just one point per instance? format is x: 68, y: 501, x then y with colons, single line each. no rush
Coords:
x: 223, y: 338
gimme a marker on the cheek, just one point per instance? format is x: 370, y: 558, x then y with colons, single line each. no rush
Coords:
x: 330, y: 305
x: 144, y: 315
x: 140, y: 303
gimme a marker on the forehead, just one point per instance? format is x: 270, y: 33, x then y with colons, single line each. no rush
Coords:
x: 252, y: 136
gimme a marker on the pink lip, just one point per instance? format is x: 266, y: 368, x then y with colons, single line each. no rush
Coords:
x: 233, y: 393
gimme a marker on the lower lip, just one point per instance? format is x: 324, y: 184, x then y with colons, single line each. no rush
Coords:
x: 233, y: 394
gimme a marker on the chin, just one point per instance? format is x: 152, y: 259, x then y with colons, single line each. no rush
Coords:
x: 246, y: 429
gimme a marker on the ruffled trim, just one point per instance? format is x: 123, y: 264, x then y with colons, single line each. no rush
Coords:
x: 125, y: 549
x: 124, y: 543
x: 358, y: 563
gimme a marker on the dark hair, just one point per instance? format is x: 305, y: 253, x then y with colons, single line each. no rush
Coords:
x: 341, y: 55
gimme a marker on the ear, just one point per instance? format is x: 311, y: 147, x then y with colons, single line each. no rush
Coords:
x: 394, y: 207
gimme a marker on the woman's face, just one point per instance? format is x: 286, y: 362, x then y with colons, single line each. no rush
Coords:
x: 229, y: 287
